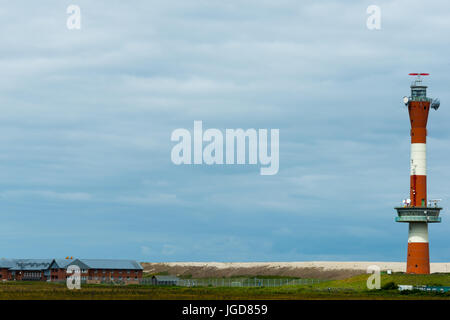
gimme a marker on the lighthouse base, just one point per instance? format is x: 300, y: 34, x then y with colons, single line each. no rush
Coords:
x: 418, y: 218
x: 418, y: 261
x: 418, y: 258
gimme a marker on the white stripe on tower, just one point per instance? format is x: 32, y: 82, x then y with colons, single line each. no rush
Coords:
x: 418, y: 232
x: 419, y: 159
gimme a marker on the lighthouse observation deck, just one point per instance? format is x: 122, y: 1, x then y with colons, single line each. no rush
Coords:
x: 418, y: 214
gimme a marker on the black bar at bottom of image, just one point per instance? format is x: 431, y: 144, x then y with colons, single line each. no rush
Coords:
x: 231, y: 309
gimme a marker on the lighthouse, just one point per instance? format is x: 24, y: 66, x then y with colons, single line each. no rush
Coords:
x: 417, y: 211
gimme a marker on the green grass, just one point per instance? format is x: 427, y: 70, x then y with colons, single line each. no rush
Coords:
x: 351, y: 288
x: 359, y: 282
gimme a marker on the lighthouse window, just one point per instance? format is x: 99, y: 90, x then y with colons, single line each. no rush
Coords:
x: 418, y: 92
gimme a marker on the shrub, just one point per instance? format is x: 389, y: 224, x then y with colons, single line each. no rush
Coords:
x: 389, y: 286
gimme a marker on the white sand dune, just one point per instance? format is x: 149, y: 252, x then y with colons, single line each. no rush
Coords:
x: 323, y: 265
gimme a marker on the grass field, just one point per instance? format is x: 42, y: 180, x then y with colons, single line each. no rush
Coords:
x: 352, y: 288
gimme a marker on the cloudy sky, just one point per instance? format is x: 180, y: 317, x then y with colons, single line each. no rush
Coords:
x: 87, y: 115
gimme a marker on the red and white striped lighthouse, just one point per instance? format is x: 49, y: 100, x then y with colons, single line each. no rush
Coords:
x: 417, y: 211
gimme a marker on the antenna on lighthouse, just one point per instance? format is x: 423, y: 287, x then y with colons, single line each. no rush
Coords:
x: 434, y: 202
x: 419, y: 77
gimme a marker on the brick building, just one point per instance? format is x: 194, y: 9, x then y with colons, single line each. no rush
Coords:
x: 101, y: 270
x: 92, y: 270
x: 58, y: 269
x: 5, y: 265
x: 29, y: 269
